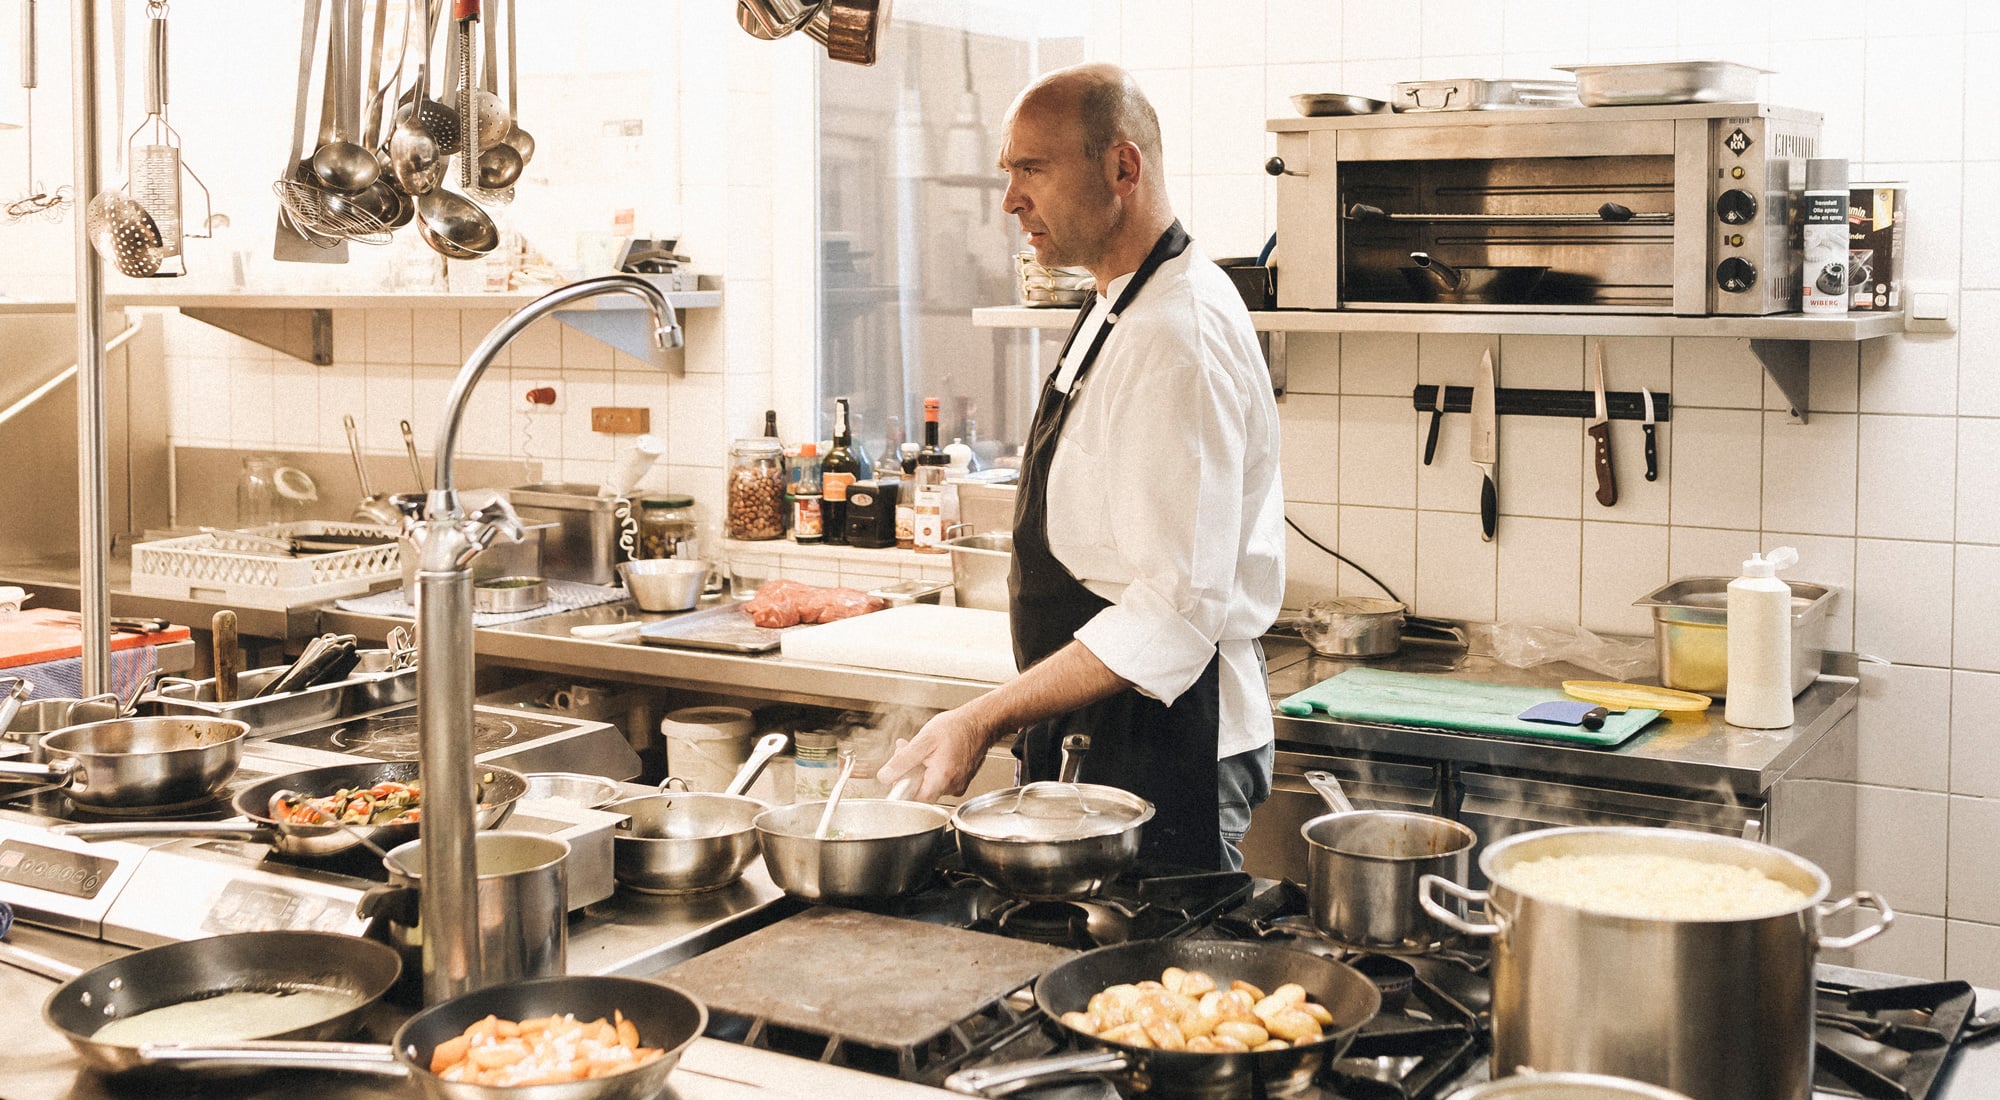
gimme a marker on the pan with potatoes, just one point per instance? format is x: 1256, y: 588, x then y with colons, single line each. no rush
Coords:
x: 1193, y: 1018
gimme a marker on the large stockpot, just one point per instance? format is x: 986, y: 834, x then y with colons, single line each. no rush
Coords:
x: 1364, y: 867
x: 1352, y: 999
x: 877, y: 848
x: 522, y: 897
x: 138, y: 763
x: 666, y: 1018
x: 686, y: 842
x: 1717, y: 1009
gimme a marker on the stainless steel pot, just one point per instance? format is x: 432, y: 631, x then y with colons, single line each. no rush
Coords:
x: 133, y: 763
x: 685, y: 842
x: 523, y: 905
x: 1364, y: 867
x: 1365, y: 626
x: 1565, y: 1086
x: 979, y: 566
x: 878, y: 847
x: 1716, y: 1009
x: 1052, y: 841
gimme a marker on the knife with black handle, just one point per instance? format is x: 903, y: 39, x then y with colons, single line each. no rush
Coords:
x: 1437, y: 416
x: 1652, y: 446
x: 1485, y: 447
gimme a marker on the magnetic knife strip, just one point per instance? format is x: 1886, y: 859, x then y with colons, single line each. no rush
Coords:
x: 1621, y: 404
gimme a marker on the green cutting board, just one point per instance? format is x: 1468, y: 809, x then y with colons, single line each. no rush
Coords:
x: 1440, y: 702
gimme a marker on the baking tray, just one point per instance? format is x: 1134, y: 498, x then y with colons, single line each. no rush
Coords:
x: 727, y: 629
x: 1471, y: 94
x: 1665, y: 82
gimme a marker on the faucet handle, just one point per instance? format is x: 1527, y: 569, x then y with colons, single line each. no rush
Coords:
x: 500, y: 519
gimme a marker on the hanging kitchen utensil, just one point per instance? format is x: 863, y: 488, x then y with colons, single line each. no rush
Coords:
x: 379, y: 199
x: 156, y: 161
x: 374, y: 507
x: 465, y: 74
x: 52, y: 203
x: 123, y: 234
x: 499, y: 163
x: 317, y: 212
x: 522, y: 141
x: 438, y: 119
x: 301, y: 235
x: 340, y: 164
x: 410, y: 445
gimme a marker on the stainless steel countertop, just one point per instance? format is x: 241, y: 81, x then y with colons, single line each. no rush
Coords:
x: 1693, y: 752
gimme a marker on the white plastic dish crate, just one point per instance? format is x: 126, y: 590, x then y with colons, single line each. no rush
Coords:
x: 217, y: 567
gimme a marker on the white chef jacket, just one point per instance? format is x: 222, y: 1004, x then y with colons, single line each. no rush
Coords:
x: 1164, y: 495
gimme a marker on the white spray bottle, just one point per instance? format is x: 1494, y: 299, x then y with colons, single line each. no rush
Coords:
x: 1760, y: 644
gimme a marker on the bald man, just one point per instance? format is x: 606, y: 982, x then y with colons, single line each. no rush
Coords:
x: 1148, y: 536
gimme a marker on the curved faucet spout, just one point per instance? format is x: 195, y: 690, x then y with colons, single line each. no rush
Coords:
x: 666, y: 336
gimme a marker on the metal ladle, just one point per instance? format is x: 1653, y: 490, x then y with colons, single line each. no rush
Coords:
x: 833, y: 796
x: 339, y: 163
x: 455, y: 226
x: 423, y: 136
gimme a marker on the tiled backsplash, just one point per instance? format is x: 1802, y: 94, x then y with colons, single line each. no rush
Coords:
x: 1886, y: 492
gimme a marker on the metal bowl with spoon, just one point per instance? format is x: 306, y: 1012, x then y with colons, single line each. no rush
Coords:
x: 686, y: 842
x: 873, y: 847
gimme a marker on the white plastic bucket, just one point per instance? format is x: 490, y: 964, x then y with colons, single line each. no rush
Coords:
x: 706, y: 746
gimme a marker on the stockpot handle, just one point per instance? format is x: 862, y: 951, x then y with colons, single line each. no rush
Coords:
x: 1445, y: 916
x: 123, y: 830
x: 1015, y: 1076
x: 352, y: 1057
x: 1858, y: 898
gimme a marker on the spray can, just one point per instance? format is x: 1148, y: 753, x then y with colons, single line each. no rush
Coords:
x: 1825, y: 270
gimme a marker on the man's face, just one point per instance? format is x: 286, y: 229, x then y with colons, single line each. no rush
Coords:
x: 1063, y: 200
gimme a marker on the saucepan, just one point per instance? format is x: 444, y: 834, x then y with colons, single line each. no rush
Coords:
x: 1434, y: 280
x: 860, y: 848
x: 1364, y: 868
x: 1350, y: 997
x: 248, y: 985
x: 499, y: 789
x: 667, y: 1020
x: 1365, y: 626
x: 137, y: 763
x: 1057, y: 841
x: 684, y: 842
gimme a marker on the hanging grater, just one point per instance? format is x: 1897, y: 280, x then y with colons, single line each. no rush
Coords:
x: 155, y: 148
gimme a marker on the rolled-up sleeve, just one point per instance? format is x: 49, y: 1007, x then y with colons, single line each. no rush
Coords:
x: 1170, y: 443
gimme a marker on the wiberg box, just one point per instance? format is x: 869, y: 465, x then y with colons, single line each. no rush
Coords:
x: 1875, y: 222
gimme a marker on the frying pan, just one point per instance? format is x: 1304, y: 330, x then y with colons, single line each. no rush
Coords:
x: 359, y: 971
x: 499, y: 789
x: 138, y: 763
x: 666, y: 1018
x: 1352, y: 999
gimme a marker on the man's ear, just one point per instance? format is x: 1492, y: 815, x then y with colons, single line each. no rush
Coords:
x: 1125, y: 168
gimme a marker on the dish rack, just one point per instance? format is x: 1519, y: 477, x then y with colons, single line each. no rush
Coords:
x: 238, y: 571
x: 1051, y: 286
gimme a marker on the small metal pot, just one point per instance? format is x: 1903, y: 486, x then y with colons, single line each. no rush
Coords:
x: 1361, y: 627
x: 685, y: 842
x: 522, y: 905
x: 878, y: 847
x: 1364, y: 868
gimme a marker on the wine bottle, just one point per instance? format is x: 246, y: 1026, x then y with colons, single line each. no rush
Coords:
x: 928, y: 520
x: 838, y: 471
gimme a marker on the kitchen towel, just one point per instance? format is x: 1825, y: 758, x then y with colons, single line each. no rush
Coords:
x: 563, y: 596
x: 1442, y: 702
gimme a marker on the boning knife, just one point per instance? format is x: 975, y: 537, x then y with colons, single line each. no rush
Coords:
x: 1652, y: 449
x: 1485, y: 449
x: 1600, y: 432
x: 1431, y: 438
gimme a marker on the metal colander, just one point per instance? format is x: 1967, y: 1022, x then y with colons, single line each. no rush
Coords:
x: 124, y: 234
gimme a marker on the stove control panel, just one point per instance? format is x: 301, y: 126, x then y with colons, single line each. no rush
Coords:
x: 60, y: 883
x: 173, y: 897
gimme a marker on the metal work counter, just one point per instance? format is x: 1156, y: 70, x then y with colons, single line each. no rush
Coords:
x: 1695, y: 752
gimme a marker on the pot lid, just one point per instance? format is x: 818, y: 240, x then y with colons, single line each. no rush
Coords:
x: 1052, y: 811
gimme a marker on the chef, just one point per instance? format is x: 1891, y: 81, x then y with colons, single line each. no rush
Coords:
x: 1148, y: 534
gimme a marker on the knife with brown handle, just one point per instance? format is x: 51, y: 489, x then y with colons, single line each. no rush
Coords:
x: 1600, y: 433
x: 228, y: 658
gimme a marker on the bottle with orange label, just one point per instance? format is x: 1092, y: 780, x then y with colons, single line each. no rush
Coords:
x: 837, y: 471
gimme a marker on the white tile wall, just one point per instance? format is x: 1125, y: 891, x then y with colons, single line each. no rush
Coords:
x: 1885, y: 491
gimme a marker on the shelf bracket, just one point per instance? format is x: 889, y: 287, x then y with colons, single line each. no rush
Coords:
x: 305, y: 334
x: 628, y: 330
x: 1789, y: 365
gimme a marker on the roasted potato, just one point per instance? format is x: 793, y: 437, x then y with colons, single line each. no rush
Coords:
x: 1192, y: 1011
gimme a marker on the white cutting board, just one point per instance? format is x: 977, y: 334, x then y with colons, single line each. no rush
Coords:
x: 965, y: 643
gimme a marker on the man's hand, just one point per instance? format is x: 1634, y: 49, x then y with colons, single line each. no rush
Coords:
x: 943, y: 758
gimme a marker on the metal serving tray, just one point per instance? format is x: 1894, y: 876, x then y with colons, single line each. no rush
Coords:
x: 1691, y: 631
x: 1665, y: 82
x: 274, y: 714
x: 1471, y: 94
x: 726, y: 628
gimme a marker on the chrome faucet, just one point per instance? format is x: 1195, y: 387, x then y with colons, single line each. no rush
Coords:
x: 448, y: 538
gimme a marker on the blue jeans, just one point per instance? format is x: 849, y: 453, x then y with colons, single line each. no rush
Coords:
x: 1243, y: 782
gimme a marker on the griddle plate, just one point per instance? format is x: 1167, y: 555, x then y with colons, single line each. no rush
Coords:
x: 880, y: 981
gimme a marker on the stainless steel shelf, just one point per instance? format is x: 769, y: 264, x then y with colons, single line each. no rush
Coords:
x: 1781, y: 343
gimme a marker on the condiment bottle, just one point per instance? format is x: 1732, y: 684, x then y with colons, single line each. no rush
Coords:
x: 927, y: 530
x: 840, y: 470
x: 1760, y: 644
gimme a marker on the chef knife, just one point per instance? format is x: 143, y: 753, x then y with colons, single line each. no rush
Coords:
x: 1486, y: 446
x: 1652, y: 449
x: 1437, y: 415
x: 228, y: 657
x: 1600, y: 432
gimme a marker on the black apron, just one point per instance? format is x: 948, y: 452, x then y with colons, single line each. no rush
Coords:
x: 1164, y: 754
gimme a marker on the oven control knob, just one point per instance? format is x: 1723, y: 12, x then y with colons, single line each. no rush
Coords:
x: 1735, y: 206
x: 1736, y: 274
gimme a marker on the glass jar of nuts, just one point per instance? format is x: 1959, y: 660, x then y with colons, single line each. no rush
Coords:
x: 756, y: 489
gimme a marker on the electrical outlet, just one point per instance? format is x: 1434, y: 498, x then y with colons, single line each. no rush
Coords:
x: 541, y: 397
x: 621, y: 420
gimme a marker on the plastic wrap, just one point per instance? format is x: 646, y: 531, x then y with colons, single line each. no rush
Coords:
x: 1524, y: 645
